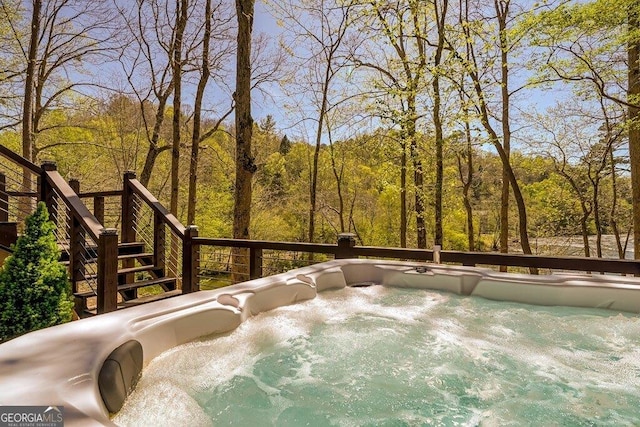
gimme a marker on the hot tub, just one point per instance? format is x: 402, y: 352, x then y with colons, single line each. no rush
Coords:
x: 89, y: 366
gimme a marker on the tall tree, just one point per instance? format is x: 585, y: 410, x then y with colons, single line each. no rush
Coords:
x: 440, y: 17
x: 321, y: 26
x: 217, y: 25
x: 245, y: 164
x: 465, y: 164
x: 502, y: 14
x: 633, y: 98
x: 400, y: 66
x: 28, y: 130
x: 181, y: 22
x: 147, y: 63
x: 61, y: 38
x: 27, y: 108
x: 472, y: 64
x: 205, y: 73
x: 581, y: 147
x: 598, y: 42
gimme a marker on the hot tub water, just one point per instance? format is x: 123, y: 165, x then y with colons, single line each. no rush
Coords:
x: 387, y: 356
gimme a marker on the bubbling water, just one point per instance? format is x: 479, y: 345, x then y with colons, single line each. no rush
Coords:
x: 388, y: 356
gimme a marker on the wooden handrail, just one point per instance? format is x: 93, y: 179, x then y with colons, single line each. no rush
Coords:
x: 318, y: 248
x: 400, y: 253
x: 108, y: 193
x: 77, y: 208
x: 157, y: 207
x: 21, y: 161
x: 601, y: 265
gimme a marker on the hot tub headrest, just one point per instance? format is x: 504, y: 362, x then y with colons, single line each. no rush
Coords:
x: 119, y: 374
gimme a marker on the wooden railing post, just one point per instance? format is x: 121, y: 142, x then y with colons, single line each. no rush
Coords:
x: 4, y: 199
x: 98, y: 208
x: 159, y: 239
x: 128, y: 209
x: 75, y: 185
x: 346, y: 242
x: 190, y: 261
x: 76, y: 253
x: 107, y: 270
x: 46, y: 192
x: 255, y: 263
x: 76, y: 244
x: 437, y: 249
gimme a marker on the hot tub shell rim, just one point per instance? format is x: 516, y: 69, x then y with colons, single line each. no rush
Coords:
x: 56, y: 371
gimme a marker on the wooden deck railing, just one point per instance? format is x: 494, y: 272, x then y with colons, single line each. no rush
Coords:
x: 93, y: 249
x: 19, y: 160
x: 179, y: 257
x: 346, y: 248
x: 19, y: 184
x: 173, y: 243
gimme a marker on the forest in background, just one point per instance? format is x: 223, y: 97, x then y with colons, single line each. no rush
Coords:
x: 473, y: 124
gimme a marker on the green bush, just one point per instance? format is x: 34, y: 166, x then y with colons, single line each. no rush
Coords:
x: 34, y: 289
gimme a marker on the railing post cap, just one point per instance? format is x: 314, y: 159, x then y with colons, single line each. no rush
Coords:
x: 109, y: 231
x: 130, y: 174
x: 191, y: 230
x: 346, y: 240
x: 49, y: 165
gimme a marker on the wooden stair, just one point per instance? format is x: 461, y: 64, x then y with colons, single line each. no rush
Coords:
x: 135, y: 271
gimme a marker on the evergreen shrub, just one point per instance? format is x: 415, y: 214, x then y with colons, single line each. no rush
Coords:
x: 35, y: 292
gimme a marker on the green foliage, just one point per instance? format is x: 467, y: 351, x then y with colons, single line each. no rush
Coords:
x: 553, y: 210
x: 285, y: 145
x: 34, y: 288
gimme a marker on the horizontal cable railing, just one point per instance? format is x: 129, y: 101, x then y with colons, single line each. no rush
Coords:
x: 219, y: 265
x: 78, y: 247
x: 106, y: 205
x: 265, y: 258
x: 19, y: 160
x: 146, y: 220
x: 19, y: 188
x: 92, y: 249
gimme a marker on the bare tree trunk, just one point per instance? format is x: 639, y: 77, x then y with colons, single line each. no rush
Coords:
x: 586, y: 211
x: 245, y: 164
x: 596, y: 216
x: 154, y: 149
x: 27, y: 108
x: 633, y: 95
x: 614, y: 206
x: 403, y: 193
x: 418, y: 174
x: 316, y: 154
x: 468, y: 181
x: 402, y: 30
x: 197, y: 117
x: 522, y: 211
x: 502, y: 11
x: 495, y: 140
x: 181, y: 22
x: 337, y: 174
x: 437, y: 121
